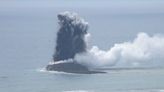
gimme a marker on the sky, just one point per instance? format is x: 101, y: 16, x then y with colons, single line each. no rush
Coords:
x: 112, y: 6
x: 34, y: 22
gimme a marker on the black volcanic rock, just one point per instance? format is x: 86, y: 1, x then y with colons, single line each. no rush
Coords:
x: 71, y: 67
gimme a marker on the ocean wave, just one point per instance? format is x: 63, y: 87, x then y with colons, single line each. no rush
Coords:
x: 44, y: 70
x: 147, y: 90
x: 79, y: 91
x: 136, y: 90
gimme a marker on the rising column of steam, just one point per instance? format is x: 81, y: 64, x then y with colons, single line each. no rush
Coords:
x: 143, y: 51
x: 70, y: 36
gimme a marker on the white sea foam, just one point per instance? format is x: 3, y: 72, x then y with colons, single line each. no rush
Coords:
x: 61, y: 61
x: 44, y: 70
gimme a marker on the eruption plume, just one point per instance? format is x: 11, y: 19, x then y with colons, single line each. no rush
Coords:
x: 72, y: 55
x: 70, y: 37
x: 70, y: 42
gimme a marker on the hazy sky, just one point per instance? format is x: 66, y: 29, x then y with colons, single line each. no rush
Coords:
x: 34, y: 22
x: 113, y: 6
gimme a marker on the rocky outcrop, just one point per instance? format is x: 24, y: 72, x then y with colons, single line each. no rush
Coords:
x: 71, y: 67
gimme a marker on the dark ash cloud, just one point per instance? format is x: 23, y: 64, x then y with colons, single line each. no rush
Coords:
x: 70, y: 36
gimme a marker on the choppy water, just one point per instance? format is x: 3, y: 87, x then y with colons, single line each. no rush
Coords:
x: 27, y: 36
x: 133, y: 80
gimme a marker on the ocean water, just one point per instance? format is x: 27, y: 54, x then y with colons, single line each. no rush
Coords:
x: 27, y: 40
x: 39, y: 80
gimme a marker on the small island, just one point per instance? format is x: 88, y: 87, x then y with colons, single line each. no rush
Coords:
x: 70, y: 41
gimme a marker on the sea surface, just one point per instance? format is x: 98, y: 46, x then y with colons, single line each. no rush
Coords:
x: 27, y: 41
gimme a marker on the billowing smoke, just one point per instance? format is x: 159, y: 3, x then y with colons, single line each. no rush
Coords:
x: 70, y: 37
x: 143, y: 51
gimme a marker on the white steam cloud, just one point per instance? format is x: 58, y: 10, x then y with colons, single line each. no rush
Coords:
x: 143, y: 51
